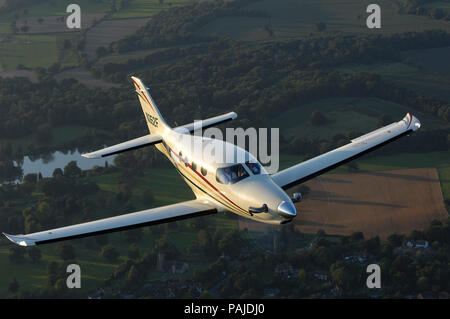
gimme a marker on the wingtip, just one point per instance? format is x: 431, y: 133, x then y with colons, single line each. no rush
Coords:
x: 90, y: 155
x: 412, y: 121
x: 18, y: 240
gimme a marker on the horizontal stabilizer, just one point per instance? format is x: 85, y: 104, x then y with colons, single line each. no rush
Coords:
x: 126, y: 146
x: 204, y: 124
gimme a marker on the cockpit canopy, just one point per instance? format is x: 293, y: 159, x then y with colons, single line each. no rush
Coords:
x: 235, y: 173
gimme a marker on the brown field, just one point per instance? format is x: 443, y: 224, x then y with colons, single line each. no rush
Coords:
x: 109, y: 31
x: 83, y: 76
x: 53, y: 24
x: 376, y: 203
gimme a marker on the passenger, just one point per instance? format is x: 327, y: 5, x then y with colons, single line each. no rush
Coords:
x: 233, y: 174
x: 223, y: 178
x: 228, y: 174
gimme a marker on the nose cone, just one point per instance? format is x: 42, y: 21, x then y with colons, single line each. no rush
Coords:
x: 287, y: 209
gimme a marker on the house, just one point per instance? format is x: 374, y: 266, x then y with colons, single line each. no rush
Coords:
x: 285, y: 270
x: 321, y: 275
x: 170, y: 266
x: 360, y: 257
x: 417, y: 244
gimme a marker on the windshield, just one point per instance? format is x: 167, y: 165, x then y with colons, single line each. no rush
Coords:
x: 231, y: 174
x: 255, y: 168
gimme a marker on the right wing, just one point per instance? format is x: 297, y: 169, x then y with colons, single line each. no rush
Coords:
x: 146, y: 217
x: 323, y: 163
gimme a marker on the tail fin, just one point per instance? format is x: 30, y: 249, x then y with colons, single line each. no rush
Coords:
x: 155, y: 121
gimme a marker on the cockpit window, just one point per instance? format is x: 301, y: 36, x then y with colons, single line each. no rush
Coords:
x: 255, y: 168
x: 231, y: 174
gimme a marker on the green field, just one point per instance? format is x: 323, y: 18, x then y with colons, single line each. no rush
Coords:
x: 31, y: 51
x: 146, y: 8
x: 36, y: 51
x: 294, y: 18
x: 353, y: 114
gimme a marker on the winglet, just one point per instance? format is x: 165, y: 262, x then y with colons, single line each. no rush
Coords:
x: 412, y: 121
x: 21, y: 241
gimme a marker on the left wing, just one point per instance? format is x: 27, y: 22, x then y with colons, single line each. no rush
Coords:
x: 318, y: 165
x: 147, y: 217
x: 133, y: 144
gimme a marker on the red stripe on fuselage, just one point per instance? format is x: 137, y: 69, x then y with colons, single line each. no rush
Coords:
x: 204, y: 179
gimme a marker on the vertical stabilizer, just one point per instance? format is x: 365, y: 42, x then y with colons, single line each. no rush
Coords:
x: 155, y: 121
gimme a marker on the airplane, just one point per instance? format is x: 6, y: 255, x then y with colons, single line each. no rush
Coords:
x: 240, y: 186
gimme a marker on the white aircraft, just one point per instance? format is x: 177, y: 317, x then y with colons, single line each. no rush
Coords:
x: 241, y: 187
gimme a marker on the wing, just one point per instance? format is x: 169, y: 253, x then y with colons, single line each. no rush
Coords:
x: 147, y: 217
x: 126, y: 146
x: 318, y: 165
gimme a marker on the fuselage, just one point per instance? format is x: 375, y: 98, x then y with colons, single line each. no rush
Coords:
x: 233, y: 182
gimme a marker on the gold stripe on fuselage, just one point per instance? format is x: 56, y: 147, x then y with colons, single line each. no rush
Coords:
x: 181, y: 167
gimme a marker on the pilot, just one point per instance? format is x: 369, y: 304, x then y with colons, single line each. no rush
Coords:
x: 254, y: 168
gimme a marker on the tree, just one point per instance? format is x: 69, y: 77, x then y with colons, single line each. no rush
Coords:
x: 30, y: 178
x: 133, y: 276
x: 65, y: 251
x: 133, y: 235
x: 57, y: 172
x: 72, y: 169
x: 35, y: 254
x: 110, y: 253
x: 302, y: 274
x: 16, y: 253
x: 395, y: 240
x: 231, y: 243
x: 133, y: 251
x: 14, y: 286
x: 101, y: 52
x: 317, y: 118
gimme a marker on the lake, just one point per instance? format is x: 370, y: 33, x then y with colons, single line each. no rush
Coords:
x: 47, y: 164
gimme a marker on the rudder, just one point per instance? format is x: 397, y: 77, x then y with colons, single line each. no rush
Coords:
x: 155, y: 121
